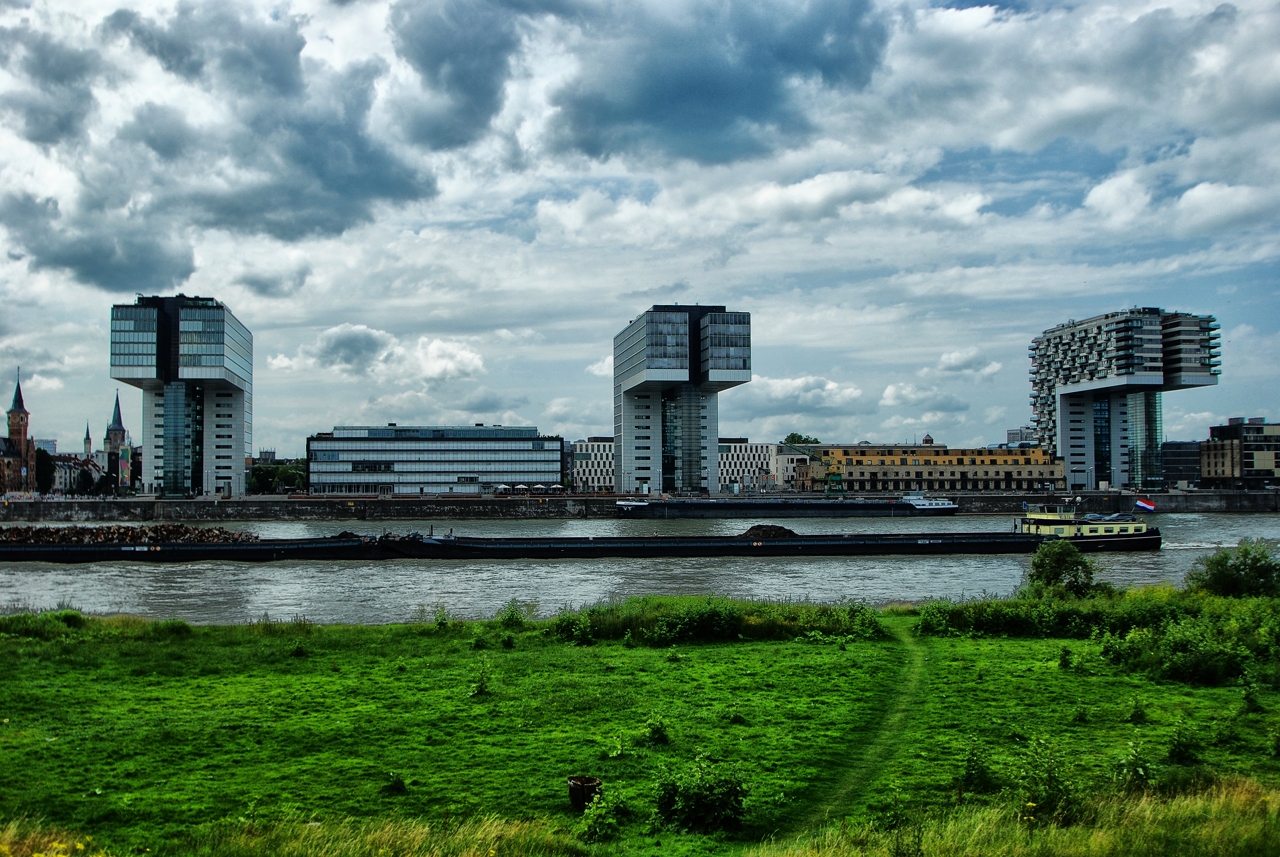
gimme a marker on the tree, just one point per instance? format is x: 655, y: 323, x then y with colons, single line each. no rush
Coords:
x: 1060, y: 563
x: 797, y: 438
x: 1250, y: 570
x: 45, y: 471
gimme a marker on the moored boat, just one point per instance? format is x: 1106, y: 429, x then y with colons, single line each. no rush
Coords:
x: 910, y: 506
x: 1091, y: 531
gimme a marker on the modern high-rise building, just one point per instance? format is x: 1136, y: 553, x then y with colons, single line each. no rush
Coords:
x: 1096, y: 390
x: 1242, y: 454
x: 193, y: 361
x: 398, y: 460
x: 669, y: 365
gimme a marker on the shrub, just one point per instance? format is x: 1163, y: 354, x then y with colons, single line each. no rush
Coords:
x: 1249, y: 701
x: 1048, y: 791
x: 1133, y: 771
x: 168, y: 629
x: 1137, y: 712
x: 702, y: 796
x: 976, y: 776
x: 1059, y: 563
x: 1195, y: 650
x: 704, y: 621
x: 602, y: 820
x: 1065, y: 659
x: 49, y: 625
x: 655, y: 730
x: 483, y: 675
x: 1252, y: 569
x: 1184, y: 747
x: 512, y: 616
x: 573, y: 628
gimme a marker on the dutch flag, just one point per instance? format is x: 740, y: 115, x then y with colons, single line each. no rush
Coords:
x: 1144, y: 505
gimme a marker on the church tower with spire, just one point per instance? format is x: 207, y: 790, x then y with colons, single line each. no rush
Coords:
x: 88, y: 439
x: 117, y: 452
x: 114, y: 441
x: 18, y: 453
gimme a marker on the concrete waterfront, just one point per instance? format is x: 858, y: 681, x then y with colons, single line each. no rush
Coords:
x: 276, y: 508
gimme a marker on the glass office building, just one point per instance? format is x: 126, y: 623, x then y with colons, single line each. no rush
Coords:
x: 193, y: 361
x: 669, y: 365
x: 408, y: 460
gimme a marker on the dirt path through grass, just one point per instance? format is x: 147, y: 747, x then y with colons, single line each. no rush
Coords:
x: 871, y: 758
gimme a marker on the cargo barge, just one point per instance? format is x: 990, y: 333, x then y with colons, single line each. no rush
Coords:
x: 760, y: 541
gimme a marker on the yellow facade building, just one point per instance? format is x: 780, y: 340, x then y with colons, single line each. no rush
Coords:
x: 928, y: 467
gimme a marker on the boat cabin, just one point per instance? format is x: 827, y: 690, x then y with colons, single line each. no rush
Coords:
x: 1063, y: 521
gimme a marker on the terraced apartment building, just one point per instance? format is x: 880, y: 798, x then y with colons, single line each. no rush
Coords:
x: 1097, y: 386
x: 927, y: 466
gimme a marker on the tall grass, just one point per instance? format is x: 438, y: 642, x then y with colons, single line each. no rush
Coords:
x: 1236, y: 818
x: 479, y: 837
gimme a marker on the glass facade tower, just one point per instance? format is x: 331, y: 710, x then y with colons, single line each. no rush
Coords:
x: 193, y: 361
x: 669, y: 364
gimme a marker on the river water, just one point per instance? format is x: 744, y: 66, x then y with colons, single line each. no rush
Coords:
x: 400, y: 590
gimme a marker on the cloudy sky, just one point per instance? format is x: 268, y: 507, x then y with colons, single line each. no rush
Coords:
x: 441, y: 211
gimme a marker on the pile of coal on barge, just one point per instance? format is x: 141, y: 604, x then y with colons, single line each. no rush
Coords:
x: 171, y: 543
x: 760, y: 541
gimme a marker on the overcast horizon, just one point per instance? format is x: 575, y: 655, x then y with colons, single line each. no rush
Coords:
x: 442, y: 212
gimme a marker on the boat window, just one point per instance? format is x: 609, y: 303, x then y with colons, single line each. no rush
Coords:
x: 1124, y: 529
x: 1057, y: 530
x: 1109, y: 529
x: 1093, y: 529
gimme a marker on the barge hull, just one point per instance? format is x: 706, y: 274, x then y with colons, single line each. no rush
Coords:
x: 360, y: 549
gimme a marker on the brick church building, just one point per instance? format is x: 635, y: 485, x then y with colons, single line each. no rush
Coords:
x: 17, y: 451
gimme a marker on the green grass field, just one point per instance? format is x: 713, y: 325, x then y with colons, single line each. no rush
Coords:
x: 214, y: 740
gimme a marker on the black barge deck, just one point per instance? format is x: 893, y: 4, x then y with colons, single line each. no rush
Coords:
x: 351, y: 547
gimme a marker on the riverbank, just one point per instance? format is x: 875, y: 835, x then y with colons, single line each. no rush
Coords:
x: 803, y: 723
x: 278, y: 508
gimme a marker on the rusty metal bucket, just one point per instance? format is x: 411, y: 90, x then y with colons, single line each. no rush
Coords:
x: 582, y: 791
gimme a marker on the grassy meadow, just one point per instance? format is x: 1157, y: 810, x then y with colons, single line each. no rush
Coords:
x: 1108, y: 723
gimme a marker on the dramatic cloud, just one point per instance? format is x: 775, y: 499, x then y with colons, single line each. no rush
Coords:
x: 58, y: 98
x: 118, y: 251
x: 713, y: 82
x: 276, y: 285
x: 462, y: 51
x: 404, y: 198
x: 360, y: 351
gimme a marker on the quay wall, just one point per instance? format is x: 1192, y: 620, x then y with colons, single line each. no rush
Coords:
x: 269, y: 508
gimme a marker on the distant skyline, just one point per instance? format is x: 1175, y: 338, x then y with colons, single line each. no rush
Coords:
x: 441, y: 212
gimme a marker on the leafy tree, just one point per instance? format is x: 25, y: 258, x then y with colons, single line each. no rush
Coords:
x: 45, y: 471
x: 797, y: 438
x: 1251, y: 569
x: 1060, y: 563
x: 277, y: 478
